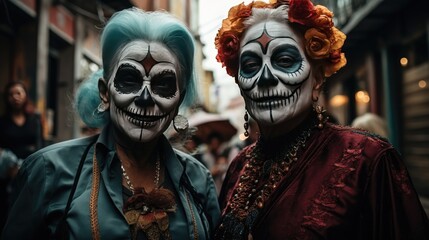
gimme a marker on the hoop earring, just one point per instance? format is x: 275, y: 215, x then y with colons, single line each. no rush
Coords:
x: 102, y: 107
x: 315, y: 98
x: 180, y: 124
x: 246, y: 124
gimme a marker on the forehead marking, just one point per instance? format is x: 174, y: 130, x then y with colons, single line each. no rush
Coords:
x: 148, y: 62
x: 263, y: 40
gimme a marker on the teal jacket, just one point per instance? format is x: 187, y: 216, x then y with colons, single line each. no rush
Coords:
x: 45, y: 179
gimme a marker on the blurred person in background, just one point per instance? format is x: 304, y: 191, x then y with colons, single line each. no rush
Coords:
x: 21, y: 127
x: 305, y: 178
x: 126, y: 182
x: 213, y: 149
x: 21, y: 134
x: 188, y: 143
x: 214, y: 158
x: 371, y: 122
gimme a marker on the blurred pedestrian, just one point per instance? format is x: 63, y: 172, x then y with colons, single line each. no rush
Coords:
x: 126, y: 182
x: 21, y: 134
x: 21, y: 127
x: 213, y: 149
x: 193, y: 147
x: 214, y: 158
x: 9, y: 164
x: 371, y: 122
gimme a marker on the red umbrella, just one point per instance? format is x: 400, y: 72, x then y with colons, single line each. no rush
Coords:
x: 208, y: 123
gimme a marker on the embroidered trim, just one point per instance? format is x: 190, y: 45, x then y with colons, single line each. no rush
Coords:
x: 401, y: 180
x: 94, y: 198
x: 194, y: 222
x: 318, y: 213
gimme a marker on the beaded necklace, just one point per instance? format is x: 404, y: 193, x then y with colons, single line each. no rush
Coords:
x: 266, y: 165
x: 260, y: 167
x: 147, y: 212
x: 155, y: 181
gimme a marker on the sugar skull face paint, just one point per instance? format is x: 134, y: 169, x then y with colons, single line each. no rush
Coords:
x: 144, y: 90
x: 274, y: 73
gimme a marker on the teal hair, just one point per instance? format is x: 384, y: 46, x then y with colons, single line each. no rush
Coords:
x: 87, y: 101
x: 131, y: 25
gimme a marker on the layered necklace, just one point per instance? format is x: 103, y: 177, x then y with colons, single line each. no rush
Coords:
x: 147, y: 212
x: 155, y: 181
x: 267, y: 162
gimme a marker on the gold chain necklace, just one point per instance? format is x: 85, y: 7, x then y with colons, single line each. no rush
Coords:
x: 264, y: 169
x: 147, y: 212
x: 250, y: 193
x: 155, y: 181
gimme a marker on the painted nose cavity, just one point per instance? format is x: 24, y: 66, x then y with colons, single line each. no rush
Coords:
x: 145, y: 99
x: 267, y: 79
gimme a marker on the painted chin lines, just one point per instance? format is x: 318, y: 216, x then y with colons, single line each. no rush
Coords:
x: 274, y: 99
x: 139, y: 118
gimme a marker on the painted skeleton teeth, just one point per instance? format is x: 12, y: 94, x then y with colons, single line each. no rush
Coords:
x: 277, y: 100
x: 137, y: 117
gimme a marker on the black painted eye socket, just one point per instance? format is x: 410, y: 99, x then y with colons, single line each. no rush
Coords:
x: 286, y: 58
x: 285, y: 61
x: 164, y: 84
x: 250, y: 64
x: 128, y: 79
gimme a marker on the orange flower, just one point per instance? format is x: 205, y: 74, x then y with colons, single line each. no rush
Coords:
x: 335, y: 65
x: 335, y: 56
x: 239, y: 11
x: 259, y: 4
x: 337, y: 39
x: 317, y: 45
x: 322, y: 10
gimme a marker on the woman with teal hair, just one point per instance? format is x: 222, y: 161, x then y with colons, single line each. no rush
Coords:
x: 127, y: 182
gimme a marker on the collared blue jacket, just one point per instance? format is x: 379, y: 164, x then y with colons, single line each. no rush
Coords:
x: 45, y: 179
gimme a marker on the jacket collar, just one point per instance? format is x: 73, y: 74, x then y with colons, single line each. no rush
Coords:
x: 111, y: 170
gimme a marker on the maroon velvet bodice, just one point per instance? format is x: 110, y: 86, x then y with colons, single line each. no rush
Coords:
x: 346, y: 184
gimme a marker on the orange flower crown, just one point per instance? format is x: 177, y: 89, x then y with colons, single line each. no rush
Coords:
x: 322, y: 40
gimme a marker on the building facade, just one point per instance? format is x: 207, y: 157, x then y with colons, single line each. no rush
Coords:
x: 387, y: 73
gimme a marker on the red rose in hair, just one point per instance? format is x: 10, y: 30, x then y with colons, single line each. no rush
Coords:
x: 301, y: 11
x: 228, y: 51
x: 232, y: 66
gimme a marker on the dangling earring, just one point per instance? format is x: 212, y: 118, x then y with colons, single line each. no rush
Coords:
x: 320, y: 111
x: 246, y: 124
x: 180, y: 124
x: 102, y: 107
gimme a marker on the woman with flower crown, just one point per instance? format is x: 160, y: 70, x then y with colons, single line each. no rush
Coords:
x: 127, y: 182
x: 304, y: 178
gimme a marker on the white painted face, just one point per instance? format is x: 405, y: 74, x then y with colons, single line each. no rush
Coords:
x: 144, y: 90
x: 274, y: 74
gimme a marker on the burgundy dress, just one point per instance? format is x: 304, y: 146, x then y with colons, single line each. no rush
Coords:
x: 346, y: 184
